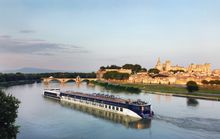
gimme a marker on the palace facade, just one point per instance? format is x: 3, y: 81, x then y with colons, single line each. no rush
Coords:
x: 192, y: 68
x: 167, y: 66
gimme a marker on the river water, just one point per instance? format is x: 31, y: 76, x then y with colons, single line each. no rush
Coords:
x: 175, y: 117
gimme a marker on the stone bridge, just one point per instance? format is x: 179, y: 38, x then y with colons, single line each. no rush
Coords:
x: 64, y: 80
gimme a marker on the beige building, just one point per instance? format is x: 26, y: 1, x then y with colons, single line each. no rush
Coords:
x: 180, y: 79
x: 216, y: 71
x: 203, y: 68
x: 144, y: 78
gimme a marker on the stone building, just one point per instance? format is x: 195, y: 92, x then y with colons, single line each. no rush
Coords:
x: 166, y: 67
x: 216, y: 72
x: 196, y: 68
x: 159, y: 65
x: 203, y: 68
x: 144, y: 78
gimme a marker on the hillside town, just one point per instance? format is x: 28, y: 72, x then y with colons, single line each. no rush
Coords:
x: 169, y: 74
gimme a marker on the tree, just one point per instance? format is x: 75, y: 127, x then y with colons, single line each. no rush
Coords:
x: 115, y: 75
x: 102, y: 68
x: 192, y: 86
x: 205, y: 82
x: 8, y: 114
x: 128, y: 66
x: 113, y: 67
x: 214, y: 82
x: 143, y: 70
x: 135, y: 68
x: 153, y: 71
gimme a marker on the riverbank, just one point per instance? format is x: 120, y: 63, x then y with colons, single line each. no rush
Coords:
x: 13, y: 83
x: 180, y: 91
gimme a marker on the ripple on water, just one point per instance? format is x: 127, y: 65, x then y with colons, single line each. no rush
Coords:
x: 192, y: 123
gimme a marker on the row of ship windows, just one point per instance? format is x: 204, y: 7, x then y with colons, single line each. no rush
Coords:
x: 98, y: 104
x: 114, y: 108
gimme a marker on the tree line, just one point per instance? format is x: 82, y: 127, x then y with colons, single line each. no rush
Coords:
x: 116, y: 75
x: 135, y: 68
x: 177, y: 71
x: 8, y: 77
x: 211, y: 82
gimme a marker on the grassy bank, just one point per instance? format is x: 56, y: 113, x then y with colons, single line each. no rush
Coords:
x: 203, y: 93
x: 174, y: 89
x: 117, y: 87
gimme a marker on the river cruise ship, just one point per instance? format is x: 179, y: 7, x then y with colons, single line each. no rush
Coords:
x: 138, y: 108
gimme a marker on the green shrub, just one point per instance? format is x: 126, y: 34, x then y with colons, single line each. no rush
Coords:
x: 192, y: 86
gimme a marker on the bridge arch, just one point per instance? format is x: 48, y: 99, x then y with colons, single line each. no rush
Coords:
x: 54, y: 79
x: 70, y: 80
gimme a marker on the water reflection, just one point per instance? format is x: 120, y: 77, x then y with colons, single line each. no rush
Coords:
x: 127, y: 121
x: 192, y: 102
x: 159, y: 98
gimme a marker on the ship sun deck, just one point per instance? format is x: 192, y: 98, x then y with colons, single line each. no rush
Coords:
x: 104, y: 98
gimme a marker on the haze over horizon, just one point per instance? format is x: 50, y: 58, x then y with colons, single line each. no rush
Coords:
x: 82, y: 35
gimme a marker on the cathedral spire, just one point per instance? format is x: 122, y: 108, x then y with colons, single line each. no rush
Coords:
x: 159, y: 66
x: 158, y: 61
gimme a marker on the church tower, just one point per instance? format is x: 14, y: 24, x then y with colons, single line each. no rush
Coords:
x: 167, y: 65
x: 159, y: 65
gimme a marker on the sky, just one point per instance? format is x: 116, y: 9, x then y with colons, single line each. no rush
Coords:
x: 82, y: 35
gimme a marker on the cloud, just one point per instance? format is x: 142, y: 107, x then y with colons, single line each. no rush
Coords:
x: 36, y: 46
x: 5, y: 36
x: 27, y: 31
